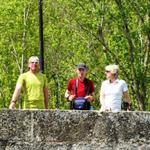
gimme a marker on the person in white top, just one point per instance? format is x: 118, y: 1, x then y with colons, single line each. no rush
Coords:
x: 112, y: 91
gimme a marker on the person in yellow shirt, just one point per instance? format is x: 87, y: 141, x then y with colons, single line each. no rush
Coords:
x: 34, y: 84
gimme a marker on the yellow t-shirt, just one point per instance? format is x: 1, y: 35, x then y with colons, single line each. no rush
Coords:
x: 33, y: 85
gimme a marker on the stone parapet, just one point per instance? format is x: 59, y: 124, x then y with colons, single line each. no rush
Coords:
x: 73, y: 130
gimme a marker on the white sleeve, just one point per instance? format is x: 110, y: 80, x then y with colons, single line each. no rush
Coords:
x: 102, y: 96
x: 124, y: 86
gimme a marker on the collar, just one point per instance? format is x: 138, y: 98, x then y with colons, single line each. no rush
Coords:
x: 116, y: 81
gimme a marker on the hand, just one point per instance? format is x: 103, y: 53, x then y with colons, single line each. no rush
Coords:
x: 89, y: 98
x: 12, y: 105
x: 71, y: 97
x: 102, y: 109
x: 129, y: 107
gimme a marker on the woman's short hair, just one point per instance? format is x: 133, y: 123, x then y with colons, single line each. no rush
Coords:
x: 112, y: 68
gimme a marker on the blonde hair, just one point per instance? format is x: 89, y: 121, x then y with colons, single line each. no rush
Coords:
x: 33, y: 58
x: 112, y: 68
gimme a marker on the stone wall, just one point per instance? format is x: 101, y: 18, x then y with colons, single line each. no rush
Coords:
x: 73, y: 130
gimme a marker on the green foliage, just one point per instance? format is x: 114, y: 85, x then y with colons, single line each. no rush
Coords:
x: 95, y: 32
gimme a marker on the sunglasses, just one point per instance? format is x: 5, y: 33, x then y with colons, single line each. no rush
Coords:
x: 81, y: 69
x: 34, y: 62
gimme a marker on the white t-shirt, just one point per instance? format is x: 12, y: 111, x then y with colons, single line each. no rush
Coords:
x: 111, y: 94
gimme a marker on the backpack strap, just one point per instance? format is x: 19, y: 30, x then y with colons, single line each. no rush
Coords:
x: 76, y: 87
x: 87, y: 88
x: 87, y: 92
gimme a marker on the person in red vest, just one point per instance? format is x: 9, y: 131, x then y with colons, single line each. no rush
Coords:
x: 80, y: 90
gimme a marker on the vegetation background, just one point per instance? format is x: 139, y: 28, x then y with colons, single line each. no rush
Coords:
x: 96, y: 32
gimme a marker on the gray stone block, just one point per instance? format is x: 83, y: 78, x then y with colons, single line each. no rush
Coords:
x: 73, y: 130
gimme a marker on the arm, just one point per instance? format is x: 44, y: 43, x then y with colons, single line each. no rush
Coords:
x: 45, y: 90
x: 90, y: 97
x: 69, y: 96
x: 102, y: 99
x: 127, y: 99
x: 102, y: 102
x: 15, y: 96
